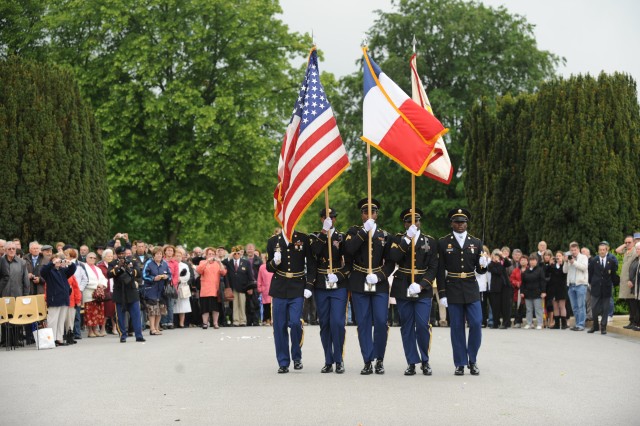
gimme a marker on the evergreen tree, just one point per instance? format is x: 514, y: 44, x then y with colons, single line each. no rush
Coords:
x: 54, y: 185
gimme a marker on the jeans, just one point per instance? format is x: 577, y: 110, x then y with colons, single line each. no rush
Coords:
x: 577, y: 294
x: 531, y: 304
x: 77, y: 325
x: 168, y: 319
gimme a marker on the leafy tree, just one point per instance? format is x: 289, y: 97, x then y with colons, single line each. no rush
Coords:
x: 54, y: 183
x: 192, y: 97
x: 22, y: 31
x: 465, y: 51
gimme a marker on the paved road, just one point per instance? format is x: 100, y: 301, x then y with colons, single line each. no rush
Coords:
x: 228, y: 377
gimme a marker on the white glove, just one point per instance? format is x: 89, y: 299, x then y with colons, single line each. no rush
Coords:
x: 332, y: 278
x: 277, y: 257
x: 483, y: 262
x: 369, y: 225
x: 372, y: 278
x: 415, y: 288
x: 412, y: 231
x: 307, y: 293
x: 327, y: 224
x: 443, y: 302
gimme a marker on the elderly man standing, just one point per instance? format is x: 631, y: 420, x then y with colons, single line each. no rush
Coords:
x: 34, y: 260
x: 14, y: 277
x: 626, y: 293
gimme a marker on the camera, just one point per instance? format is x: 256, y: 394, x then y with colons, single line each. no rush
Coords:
x: 570, y: 257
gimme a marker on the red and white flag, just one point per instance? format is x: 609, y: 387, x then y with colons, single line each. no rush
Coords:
x: 440, y: 167
x: 394, y: 124
x: 312, y: 154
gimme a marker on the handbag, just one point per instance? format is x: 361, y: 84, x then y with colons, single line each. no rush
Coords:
x: 228, y: 294
x: 99, y: 295
x: 170, y: 291
x: 184, y: 292
x: 44, y: 338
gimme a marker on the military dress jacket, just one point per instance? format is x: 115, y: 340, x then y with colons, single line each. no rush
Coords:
x: 602, y: 278
x: 356, y: 249
x: 425, y: 265
x: 457, y: 267
x: 290, y: 276
x: 320, y: 251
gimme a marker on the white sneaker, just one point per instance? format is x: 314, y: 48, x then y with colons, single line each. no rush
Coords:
x: 526, y: 327
x: 610, y: 320
x: 538, y: 327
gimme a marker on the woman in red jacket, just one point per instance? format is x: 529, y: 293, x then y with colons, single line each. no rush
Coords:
x: 516, y: 281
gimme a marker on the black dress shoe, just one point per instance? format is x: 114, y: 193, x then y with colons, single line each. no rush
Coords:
x: 604, y: 330
x: 328, y: 368
x: 379, y: 367
x: 141, y: 339
x: 475, y: 371
x: 629, y: 326
x: 123, y: 340
x: 592, y: 330
x: 410, y: 371
x: 636, y: 328
x: 297, y: 365
x: 367, y: 369
x: 58, y: 343
x: 283, y: 370
x: 426, y: 369
x: 339, y: 367
x: 459, y: 371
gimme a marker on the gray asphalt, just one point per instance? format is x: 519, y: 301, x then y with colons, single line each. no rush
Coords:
x: 228, y: 377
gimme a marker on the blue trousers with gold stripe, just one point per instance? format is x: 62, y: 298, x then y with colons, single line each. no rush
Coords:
x: 415, y: 328
x: 286, y: 313
x: 332, y: 314
x: 371, y: 309
x: 464, y: 353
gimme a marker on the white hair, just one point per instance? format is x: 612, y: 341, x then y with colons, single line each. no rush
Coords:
x: 33, y: 243
x: 638, y: 245
x: 107, y: 252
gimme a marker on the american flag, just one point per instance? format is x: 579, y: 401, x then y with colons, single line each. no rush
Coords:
x: 312, y: 154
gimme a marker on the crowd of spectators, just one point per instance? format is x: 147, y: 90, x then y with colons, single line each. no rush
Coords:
x: 127, y: 286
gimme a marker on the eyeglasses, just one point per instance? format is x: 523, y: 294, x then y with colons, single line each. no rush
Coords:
x: 628, y: 242
x: 91, y: 257
x: 10, y: 248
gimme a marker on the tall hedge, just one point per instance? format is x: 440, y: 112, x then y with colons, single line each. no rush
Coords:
x: 559, y: 165
x: 54, y: 181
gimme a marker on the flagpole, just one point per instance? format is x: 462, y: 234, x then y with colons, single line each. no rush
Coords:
x: 413, y: 207
x: 327, y: 215
x: 369, y: 204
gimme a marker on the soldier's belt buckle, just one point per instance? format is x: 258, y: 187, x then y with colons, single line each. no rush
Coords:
x: 289, y: 274
x: 463, y: 275
x: 331, y: 286
x: 371, y: 288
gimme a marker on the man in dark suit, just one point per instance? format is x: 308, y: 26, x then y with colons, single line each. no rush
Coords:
x: 413, y: 289
x: 242, y: 281
x: 368, y: 283
x: 602, y: 273
x: 34, y: 261
x: 460, y: 259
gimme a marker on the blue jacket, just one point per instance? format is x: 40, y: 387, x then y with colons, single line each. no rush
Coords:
x: 58, y: 287
x: 153, y: 289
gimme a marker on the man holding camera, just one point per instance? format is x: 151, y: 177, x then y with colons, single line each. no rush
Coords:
x: 125, y: 293
x: 576, y: 266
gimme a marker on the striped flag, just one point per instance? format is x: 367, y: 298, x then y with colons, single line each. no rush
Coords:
x: 440, y: 167
x: 312, y: 154
x: 395, y: 124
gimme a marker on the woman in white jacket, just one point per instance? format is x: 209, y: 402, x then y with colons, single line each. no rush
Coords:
x: 93, y: 311
x: 182, y: 305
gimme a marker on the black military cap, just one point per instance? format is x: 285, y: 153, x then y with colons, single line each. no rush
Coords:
x: 406, y: 215
x: 459, y: 215
x: 332, y: 212
x: 364, y: 204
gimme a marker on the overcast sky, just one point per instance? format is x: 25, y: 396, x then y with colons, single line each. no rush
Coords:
x: 591, y: 35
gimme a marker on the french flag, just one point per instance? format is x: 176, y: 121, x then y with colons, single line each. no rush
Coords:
x: 394, y: 124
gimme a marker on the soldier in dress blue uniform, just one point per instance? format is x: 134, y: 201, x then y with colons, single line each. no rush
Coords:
x: 287, y: 260
x: 459, y: 260
x: 369, y: 291
x: 330, y: 291
x: 414, y: 295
